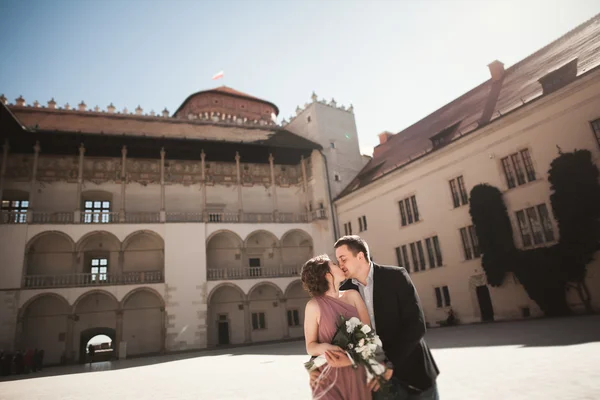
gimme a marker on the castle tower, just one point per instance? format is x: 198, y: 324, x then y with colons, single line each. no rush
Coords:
x: 334, y: 128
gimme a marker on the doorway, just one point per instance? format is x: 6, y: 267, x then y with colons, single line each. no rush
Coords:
x: 485, y: 303
x: 103, y: 342
x: 223, y: 327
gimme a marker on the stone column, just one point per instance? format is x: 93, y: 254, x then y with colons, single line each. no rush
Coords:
x: 123, y: 183
x: 163, y: 214
x: 203, y: 186
x: 69, y: 338
x: 305, y: 189
x: 36, y: 156
x: 5, y: 148
x: 77, y: 213
x: 118, y: 332
x: 247, y: 322
x: 286, y: 327
x: 239, y: 187
x: 163, y: 331
x: 273, y: 188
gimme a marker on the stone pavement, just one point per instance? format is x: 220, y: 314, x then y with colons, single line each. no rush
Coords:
x: 538, y: 359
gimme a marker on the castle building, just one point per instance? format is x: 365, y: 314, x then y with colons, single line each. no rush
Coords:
x: 163, y: 232
x: 411, y: 201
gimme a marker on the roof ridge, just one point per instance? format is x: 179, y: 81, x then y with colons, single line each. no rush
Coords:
x: 556, y: 41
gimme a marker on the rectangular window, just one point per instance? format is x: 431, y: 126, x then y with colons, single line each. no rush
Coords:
x: 438, y: 251
x: 470, y: 242
x: 99, y: 269
x: 459, y: 192
x: 254, y: 264
x: 430, y: 255
x: 442, y: 297
x: 518, y: 169
x: 413, y: 253
x: 293, y: 318
x: 362, y: 223
x: 405, y: 257
x: 535, y: 225
x: 14, y: 211
x: 399, y: 257
x: 258, y: 321
x: 348, y: 228
x: 596, y: 129
x: 402, y: 213
x: 413, y: 201
x: 421, y: 255
x: 96, y: 212
x: 409, y: 212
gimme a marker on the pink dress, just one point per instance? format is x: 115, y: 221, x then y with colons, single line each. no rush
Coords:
x: 350, y: 383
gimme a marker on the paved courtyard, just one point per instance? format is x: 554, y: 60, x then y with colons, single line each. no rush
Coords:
x: 540, y: 359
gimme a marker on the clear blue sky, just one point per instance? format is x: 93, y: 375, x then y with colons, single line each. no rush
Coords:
x: 396, y: 61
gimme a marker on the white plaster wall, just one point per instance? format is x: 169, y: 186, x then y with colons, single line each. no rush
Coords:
x: 185, y: 273
x: 12, y: 250
x: 221, y: 195
x: 9, y: 308
x: 55, y: 196
x: 141, y: 198
x: 561, y: 119
x: 258, y: 199
x: 180, y: 198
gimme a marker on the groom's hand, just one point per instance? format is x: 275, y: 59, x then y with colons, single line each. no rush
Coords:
x: 337, y: 359
x: 374, y: 384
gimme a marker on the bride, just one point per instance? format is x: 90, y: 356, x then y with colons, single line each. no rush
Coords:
x: 321, y: 278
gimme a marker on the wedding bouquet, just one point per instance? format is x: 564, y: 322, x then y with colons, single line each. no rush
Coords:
x: 362, y: 346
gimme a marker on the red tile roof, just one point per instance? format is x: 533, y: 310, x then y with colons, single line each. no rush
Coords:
x: 486, y: 102
x: 229, y: 91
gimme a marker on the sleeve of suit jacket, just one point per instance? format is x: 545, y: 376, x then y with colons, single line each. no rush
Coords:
x: 412, y: 321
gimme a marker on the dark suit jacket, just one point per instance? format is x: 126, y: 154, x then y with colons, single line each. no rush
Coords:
x: 400, y: 324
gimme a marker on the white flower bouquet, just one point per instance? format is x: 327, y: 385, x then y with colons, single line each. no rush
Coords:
x: 363, y: 347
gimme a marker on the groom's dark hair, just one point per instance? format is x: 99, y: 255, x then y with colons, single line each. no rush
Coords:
x: 355, y: 244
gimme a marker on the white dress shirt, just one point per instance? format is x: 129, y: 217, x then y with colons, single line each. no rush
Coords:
x: 366, y: 291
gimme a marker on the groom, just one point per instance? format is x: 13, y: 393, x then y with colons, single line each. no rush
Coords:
x: 396, y: 316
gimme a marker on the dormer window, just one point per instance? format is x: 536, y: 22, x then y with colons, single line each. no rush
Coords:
x: 559, y: 78
x: 444, y: 136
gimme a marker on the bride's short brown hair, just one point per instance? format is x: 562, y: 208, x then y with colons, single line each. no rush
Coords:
x: 313, y: 275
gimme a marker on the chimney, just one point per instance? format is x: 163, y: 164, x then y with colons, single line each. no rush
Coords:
x: 111, y: 109
x: 496, y: 70
x: 82, y: 106
x: 165, y: 113
x: 384, y: 136
x: 139, y: 110
x: 52, y: 104
x: 20, y: 101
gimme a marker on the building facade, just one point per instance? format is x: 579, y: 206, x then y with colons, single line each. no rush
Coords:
x: 411, y: 201
x: 164, y: 233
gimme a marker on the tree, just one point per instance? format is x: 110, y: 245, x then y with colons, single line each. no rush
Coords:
x: 494, y: 232
x: 576, y: 206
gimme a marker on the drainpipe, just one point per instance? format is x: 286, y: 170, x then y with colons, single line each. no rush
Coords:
x: 333, y: 216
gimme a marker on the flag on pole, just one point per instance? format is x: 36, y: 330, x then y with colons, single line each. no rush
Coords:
x: 218, y: 75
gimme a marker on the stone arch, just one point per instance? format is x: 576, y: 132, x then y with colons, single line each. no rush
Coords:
x: 94, y: 309
x: 49, y: 253
x: 143, y: 250
x: 144, y: 328
x: 99, y: 245
x: 296, y: 249
x: 267, y: 312
x: 296, y: 299
x: 276, y: 289
x: 227, y: 309
x: 295, y: 290
x: 44, y: 326
x: 262, y: 253
x: 224, y: 251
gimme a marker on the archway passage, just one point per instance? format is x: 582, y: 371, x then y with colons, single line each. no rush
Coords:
x: 143, y: 323
x: 223, y: 255
x: 485, y: 303
x: 267, y: 313
x: 103, y: 349
x: 50, y: 253
x: 45, y: 327
x: 297, y: 298
x: 263, y: 254
x: 95, y: 314
x: 296, y: 249
x: 226, y: 317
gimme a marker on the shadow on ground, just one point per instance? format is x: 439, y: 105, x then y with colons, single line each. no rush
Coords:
x: 531, y: 333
